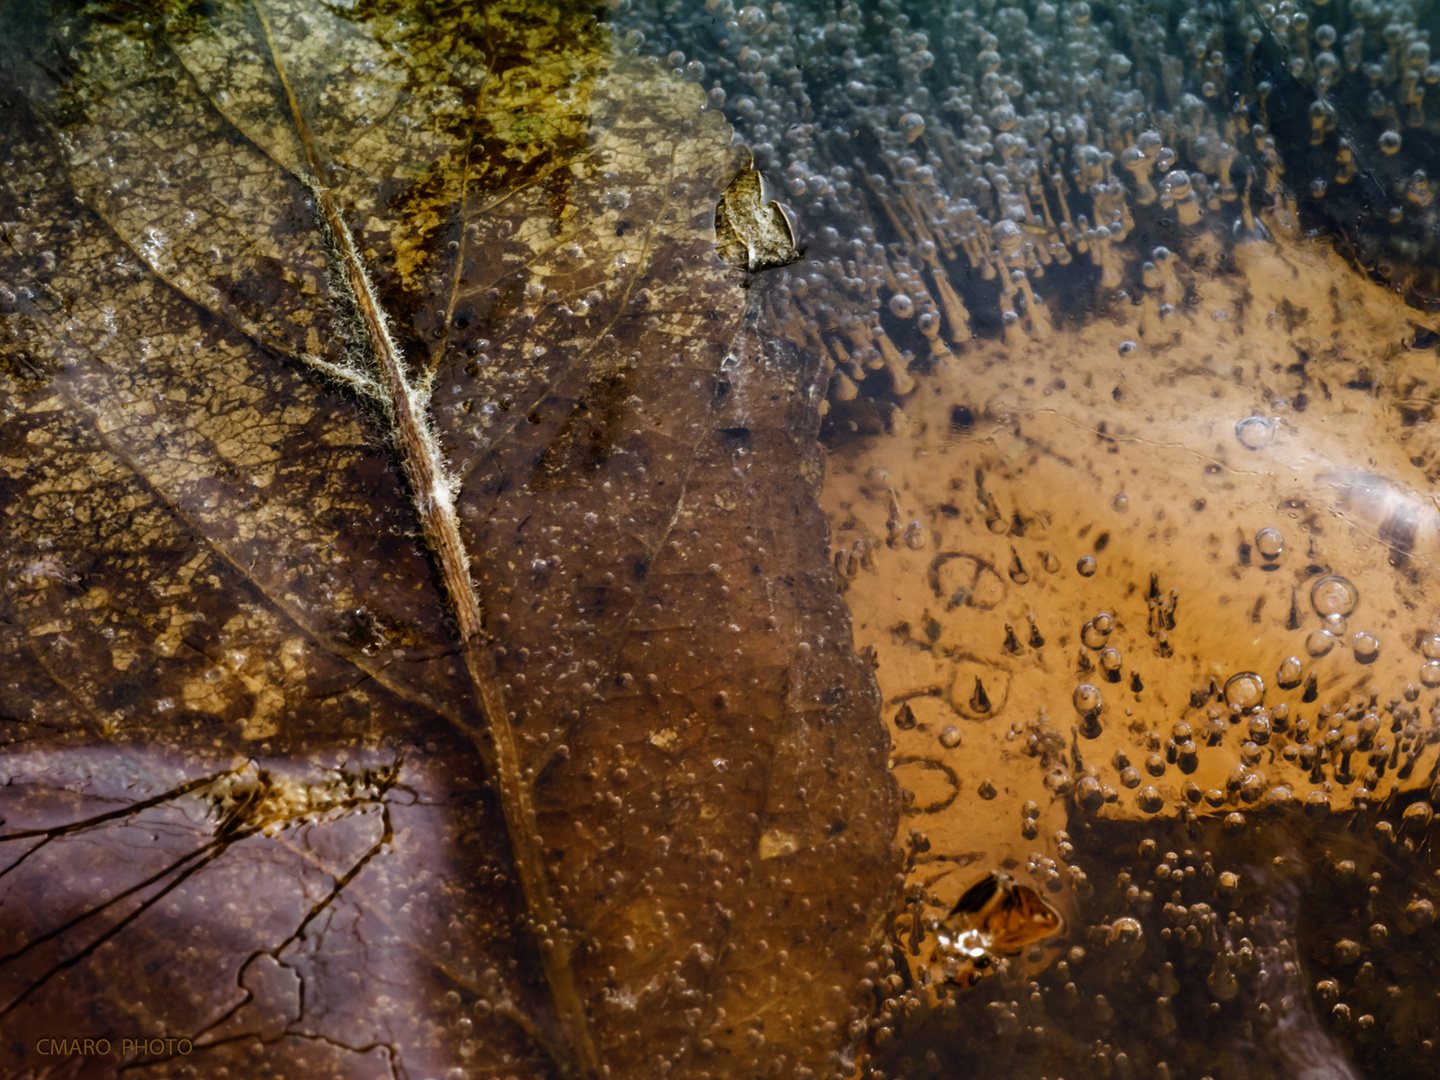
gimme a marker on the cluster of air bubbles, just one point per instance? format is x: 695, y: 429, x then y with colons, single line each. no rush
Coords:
x: 966, y: 167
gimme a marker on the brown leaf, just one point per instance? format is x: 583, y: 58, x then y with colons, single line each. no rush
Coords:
x: 511, y: 718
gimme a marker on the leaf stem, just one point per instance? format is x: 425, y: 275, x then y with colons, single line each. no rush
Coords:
x: 434, y: 502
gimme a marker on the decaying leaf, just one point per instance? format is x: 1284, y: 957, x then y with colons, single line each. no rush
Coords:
x: 751, y: 232
x: 422, y: 651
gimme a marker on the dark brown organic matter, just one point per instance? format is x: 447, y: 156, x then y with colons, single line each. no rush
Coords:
x: 422, y: 650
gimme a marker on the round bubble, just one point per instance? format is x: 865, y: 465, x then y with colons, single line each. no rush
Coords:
x: 1245, y: 689
x: 1367, y: 647
x: 1430, y: 646
x: 1280, y: 797
x: 1347, y: 952
x: 1127, y: 935
x: 1087, y: 566
x: 1417, y: 817
x: 1270, y: 543
x: 1002, y: 117
x: 1260, y: 729
x: 1430, y: 673
x: 1333, y: 595
x: 1176, y: 184
x: 1087, y: 699
x: 1290, y: 672
x: 1319, y: 642
x: 912, y: 126
x: 902, y: 306
x: 1255, y: 432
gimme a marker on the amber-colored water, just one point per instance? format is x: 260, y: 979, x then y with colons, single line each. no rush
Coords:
x: 1217, y: 524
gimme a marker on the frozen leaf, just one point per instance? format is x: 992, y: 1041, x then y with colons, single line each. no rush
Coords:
x: 426, y: 653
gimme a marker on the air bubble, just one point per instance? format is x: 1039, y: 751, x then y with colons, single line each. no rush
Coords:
x: 751, y: 19
x: 950, y: 737
x: 1417, y: 817
x: 1260, y: 729
x: 1088, y: 795
x: 1254, y: 432
x: 1086, y: 566
x: 1087, y: 699
x: 1290, y: 673
x: 1270, y: 543
x: 1367, y: 647
x: 1430, y: 647
x: 1430, y: 673
x: 912, y: 126
x: 1333, y: 595
x: 1280, y: 797
x: 901, y: 306
x: 1245, y: 690
x: 1347, y: 952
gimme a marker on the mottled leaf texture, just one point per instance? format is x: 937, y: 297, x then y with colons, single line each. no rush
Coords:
x: 420, y: 656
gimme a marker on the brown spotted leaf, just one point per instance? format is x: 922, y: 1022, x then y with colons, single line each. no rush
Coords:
x: 420, y: 651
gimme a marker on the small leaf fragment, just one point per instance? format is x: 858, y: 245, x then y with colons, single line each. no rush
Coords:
x: 750, y: 232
